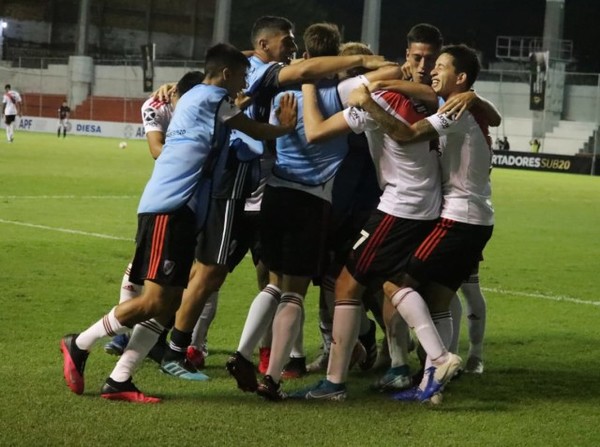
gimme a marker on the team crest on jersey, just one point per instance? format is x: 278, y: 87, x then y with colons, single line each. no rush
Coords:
x: 149, y: 115
x: 168, y: 267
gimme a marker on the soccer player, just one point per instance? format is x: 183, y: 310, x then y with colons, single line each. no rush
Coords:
x: 172, y: 208
x: 407, y: 211
x: 294, y: 212
x: 355, y: 194
x: 448, y: 255
x: 232, y: 225
x: 11, y: 108
x: 156, y: 116
x: 64, y: 113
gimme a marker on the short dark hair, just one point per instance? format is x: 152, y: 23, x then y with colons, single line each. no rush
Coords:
x: 465, y: 61
x: 322, y: 39
x: 270, y: 23
x: 189, y: 80
x: 425, y: 33
x: 223, y: 55
x: 7, y: 87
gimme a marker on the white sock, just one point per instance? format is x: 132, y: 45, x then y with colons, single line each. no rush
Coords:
x: 129, y: 290
x: 206, y: 318
x: 143, y: 338
x: 346, y: 325
x: 397, y: 335
x: 260, y: 316
x: 456, y: 312
x: 298, y: 345
x: 286, y: 326
x: 108, y: 325
x: 476, y: 315
x: 413, y: 309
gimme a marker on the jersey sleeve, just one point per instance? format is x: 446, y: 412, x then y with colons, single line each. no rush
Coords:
x: 445, y: 124
x: 347, y: 85
x: 358, y: 120
x: 153, y: 118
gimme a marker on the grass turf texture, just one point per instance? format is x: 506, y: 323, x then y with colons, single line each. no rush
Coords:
x: 540, y: 385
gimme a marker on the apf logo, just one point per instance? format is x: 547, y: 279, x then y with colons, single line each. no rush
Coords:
x: 25, y: 123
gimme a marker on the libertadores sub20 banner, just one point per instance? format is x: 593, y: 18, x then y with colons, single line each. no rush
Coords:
x: 543, y: 162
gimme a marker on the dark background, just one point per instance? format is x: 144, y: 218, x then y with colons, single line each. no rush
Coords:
x: 473, y: 22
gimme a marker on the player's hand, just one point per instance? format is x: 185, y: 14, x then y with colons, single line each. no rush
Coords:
x: 373, y: 62
x: 287, y: 111
x: 456, y: 105
x: 359, y: 96
x: 406, y: 71
x: 164, y: 92
x: 242, y: 100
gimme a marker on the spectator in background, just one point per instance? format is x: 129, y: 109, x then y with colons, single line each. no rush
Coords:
x: 64, y: 113
x: 499, y: 144
x: 11, y: 107
x: 505, y: 145
x: 535, y: 145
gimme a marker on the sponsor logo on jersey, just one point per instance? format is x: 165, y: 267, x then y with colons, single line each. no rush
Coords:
x: 149, y: 115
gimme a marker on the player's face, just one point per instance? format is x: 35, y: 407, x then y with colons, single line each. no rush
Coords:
x: 443, y: 76
x: 421, y: 58
x: 236, y: 80
x: 282, y: 47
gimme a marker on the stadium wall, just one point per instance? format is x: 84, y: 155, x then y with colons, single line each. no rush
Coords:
x: 84, y: 127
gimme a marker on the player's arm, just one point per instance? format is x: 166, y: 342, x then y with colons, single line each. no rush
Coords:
x: 323, y: 66
x: 420, y: 131
x: 316, y: 127
x: 411, y: 89
x: 468, y: 100
x: 156, y: 141
x: 286, y: 114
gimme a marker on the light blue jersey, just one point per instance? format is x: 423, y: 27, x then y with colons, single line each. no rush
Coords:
x: 310, y: 164
x: 196, y: 138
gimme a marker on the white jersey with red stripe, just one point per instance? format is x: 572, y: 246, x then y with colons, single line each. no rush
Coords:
x: 11, y: 98
x: 466, y: 162
x: 156, y: 115
x: 409, y: 174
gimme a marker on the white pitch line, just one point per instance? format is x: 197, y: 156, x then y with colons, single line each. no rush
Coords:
x: 68, y: 197
x: 66, y: 230
x: 542, y: 296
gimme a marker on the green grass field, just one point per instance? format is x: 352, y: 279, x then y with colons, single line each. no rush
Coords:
x: 67, y: 220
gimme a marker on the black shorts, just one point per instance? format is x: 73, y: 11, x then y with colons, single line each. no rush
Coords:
x: 9, y: 119
x: 450, y: 253
x: 228, y: 234
x: 293, y: 231
x: 384, y: 246
x: 164, y: 250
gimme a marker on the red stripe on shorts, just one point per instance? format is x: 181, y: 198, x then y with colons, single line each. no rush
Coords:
x: 433, y: 239
x: 158, y: 240
x: 381, y: 232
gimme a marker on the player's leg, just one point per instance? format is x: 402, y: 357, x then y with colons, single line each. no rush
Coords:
x: 198, y: 349
x: 119, y: 385
x: 476, y: 318
x: 204, y: 280
x: 128, y: 291
x: 168, y: 235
